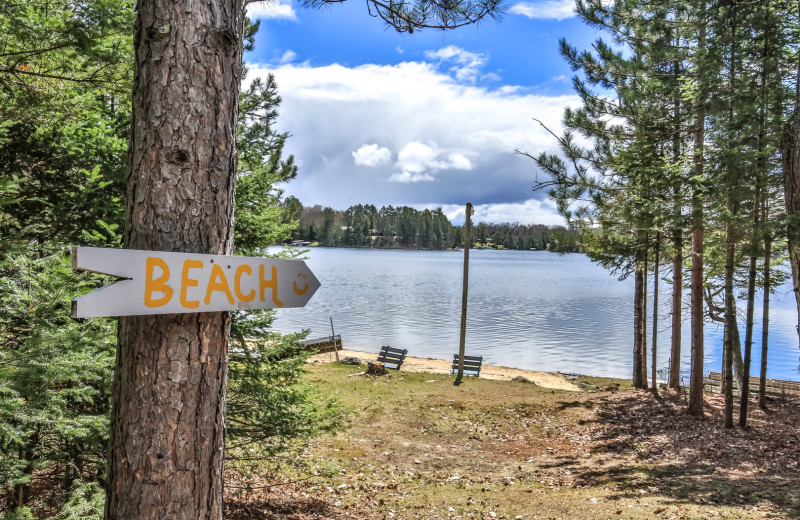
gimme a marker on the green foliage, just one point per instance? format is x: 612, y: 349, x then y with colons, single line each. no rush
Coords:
x: 272, y: 410
x: 55, y: 373
x: 86, y: 502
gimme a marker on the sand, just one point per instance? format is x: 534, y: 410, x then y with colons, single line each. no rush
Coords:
x: 442, y: 366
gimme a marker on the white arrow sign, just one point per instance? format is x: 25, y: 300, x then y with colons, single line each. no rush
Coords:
x: 156, y: 282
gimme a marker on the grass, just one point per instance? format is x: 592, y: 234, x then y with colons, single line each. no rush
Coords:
x: 420, y: 447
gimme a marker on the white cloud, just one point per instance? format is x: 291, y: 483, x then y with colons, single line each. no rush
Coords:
x: 546, y: 10
x: 467, y: 64
x: 272, y: 9
x: 371, y: 155
x: 406, y: 177
x: 531, y: 211
x: 288, y: 57
x: 416, y: 158
x: 461, y: 137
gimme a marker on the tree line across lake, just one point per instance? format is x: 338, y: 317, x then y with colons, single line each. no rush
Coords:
x: 403, y: 227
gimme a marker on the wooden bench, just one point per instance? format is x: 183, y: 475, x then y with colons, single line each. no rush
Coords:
x: 472, y: 365
x: 713, y: 384
x: 392, y: 357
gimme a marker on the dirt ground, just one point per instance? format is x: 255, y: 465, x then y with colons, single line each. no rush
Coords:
x: 422, y: 448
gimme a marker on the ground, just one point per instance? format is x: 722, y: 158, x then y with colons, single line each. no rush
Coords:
x: 422, y: 448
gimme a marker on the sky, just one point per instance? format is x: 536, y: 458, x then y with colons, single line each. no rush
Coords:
x: 429, y: 119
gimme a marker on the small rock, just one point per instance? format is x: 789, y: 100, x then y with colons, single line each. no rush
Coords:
x: 350, y: 360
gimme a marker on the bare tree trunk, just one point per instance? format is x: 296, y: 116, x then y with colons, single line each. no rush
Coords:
x: 643, y: 337
x: 168, y: 412
x: 654, y: 385
x: 790, y: 151
x: 730, y: 326
x: 677, y: 304
x: 638, y: 292
x: 696, y: 401
x: 762, y: 384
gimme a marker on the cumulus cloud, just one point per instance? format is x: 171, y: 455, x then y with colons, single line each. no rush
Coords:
x: 412, y: 123
x: 467, y: 64
x: 371, y: 155
x: 546, y: 10
x: 531, y: 211
x: 419, y: 161
x: 272, y: 9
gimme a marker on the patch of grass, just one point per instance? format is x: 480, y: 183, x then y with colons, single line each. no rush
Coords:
x: 422, y: 448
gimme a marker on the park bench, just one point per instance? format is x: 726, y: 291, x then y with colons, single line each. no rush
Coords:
x: 713, y: 385
x: 392, y: 357
x: 472, y: 365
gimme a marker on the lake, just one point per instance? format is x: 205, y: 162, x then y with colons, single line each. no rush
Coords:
x: 527, y: 309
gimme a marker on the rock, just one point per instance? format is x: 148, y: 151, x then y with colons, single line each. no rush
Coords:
x: 522, y: 379
x: 350, y: 360
x: 376, y: 368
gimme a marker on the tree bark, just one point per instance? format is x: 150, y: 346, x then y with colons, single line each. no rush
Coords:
x: 168, y: 412
x: 654, y: 385
x: 790, y: 152
x: 638, y: 293
x: 762, y: 383
x: 696, y: 401
x: 677, y: 310
x: 643, y: 337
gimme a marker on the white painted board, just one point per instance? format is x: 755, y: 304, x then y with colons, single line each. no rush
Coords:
x: 157, y: 282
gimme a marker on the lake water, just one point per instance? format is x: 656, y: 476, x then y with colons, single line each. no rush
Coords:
x: 527, y: 309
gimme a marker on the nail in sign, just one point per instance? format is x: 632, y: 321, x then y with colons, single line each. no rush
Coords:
x: 156, y: 282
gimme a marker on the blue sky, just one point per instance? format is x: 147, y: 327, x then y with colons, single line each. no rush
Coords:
x: 429, y: 119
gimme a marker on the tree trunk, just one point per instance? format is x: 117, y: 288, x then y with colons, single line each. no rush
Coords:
x: 730, y: 326
x: 790, y: 151
x: 696, y: 377
x: 638, y: 292
x: 762, y: 383
x: 168, y: 413
x: 654, y: 385
x: 643, y: 337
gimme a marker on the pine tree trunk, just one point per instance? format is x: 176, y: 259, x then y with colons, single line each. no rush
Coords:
x: 168, y: 413
x: 762, y: 384
x: 790, y: 151
x: 638, y: 292
x: 654, y: 385
x: 696, y: 377
x: 643, y: 336
x: 696, y: 402
x: 730, y: 326
x: 677, y: 309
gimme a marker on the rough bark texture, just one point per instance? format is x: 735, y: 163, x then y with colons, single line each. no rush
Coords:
x: 762, y: 384
x: 168, y: 415
x: 677, y: 307
x: 696, y: 377
x: 791, y: 188
x: 638, y: 312
x: 653, y: 375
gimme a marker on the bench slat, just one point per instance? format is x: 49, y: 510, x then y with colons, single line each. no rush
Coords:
x: 392, y: 357
x: 472, y: 365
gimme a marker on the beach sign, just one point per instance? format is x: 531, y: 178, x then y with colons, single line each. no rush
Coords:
x: 157, y: 282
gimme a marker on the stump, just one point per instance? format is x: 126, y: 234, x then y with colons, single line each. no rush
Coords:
x: 375, y: 368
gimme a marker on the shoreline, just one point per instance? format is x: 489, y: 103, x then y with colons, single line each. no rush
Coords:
x: 443, y: 366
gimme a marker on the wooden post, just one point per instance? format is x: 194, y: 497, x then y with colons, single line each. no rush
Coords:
x: 467, y: 243
x: 333, y: 338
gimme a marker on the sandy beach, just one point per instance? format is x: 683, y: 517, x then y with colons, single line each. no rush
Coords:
x: 442, y: 366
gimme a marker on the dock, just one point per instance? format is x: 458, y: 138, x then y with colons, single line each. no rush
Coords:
x: 713, y: 384
x: 323, y: 344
